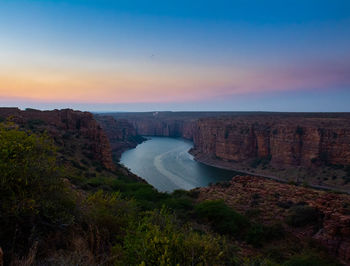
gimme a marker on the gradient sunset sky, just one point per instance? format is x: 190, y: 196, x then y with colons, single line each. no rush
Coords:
x: 258, y: 55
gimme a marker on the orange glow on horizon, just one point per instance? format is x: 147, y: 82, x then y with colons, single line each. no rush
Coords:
x: 151, y: 83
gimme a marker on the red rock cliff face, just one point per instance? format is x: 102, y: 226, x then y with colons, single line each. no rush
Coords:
x: 121, y: 134
x: 287, y: 141
x: 58, y: 121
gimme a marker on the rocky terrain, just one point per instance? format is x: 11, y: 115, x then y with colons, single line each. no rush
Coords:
x: 74, y: 131
x: 271, y: 202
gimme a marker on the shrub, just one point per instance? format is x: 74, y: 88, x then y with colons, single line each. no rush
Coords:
x: 299, y: 130
x: 33, y: 123
x: 303, y: 215
x: 223, y: 219
x: 258, y: 234
x: 158, y: 240
x: 109, y: 213
x: 308, y: 260
x: 33, y: 196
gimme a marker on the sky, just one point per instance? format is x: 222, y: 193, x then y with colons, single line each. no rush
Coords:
x: 238, y: 55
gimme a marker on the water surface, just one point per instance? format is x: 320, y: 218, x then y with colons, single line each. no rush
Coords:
x: 166, y: 164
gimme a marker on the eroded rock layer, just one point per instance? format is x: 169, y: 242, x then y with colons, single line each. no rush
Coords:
x: 284, y: 141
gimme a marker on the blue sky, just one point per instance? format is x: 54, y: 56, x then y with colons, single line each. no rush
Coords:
x: 176, y: 55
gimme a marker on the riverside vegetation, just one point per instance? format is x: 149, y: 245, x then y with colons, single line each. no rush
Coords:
x: 60, y: 211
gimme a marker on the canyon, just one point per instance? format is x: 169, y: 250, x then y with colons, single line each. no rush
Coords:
x: 298, y: 147
x: 313, y: 142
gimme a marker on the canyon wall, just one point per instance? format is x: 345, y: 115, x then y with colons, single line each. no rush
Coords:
x: 165, y: 124
x: 61, y: 125
x: 168, y: 128
x: 284, y: 141
x: 122, y: 134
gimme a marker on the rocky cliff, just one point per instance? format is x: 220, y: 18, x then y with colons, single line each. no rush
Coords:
x: 284, y: 141
x: 121, y: 134
x: 63, y: 126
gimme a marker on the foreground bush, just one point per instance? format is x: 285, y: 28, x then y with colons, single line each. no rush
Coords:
x: 110, y: 214
x: 33, y: 196
x: 158, y: 240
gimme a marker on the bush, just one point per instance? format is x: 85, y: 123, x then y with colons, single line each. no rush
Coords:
x: 223, y: 219
x: 33, y: 196
x: 258, y: 234
x: 303, y: 215
x: 109, y: 213
x: 158, y: 240
x: 308, y: 260
x: 33, y: 123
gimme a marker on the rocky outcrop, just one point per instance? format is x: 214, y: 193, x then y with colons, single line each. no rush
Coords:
x: 272, y: 202
x: 285, y: 141
x: 60, y: 124
x: 121, y: 134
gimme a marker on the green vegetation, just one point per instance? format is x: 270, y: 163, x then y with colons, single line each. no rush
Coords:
x: 303, y: 215
x: 224, y: 220
x: 258, y: 234
x: 33, y: 195
x: 309, y: 260
x: 158, y: 240
x: 62, y: 209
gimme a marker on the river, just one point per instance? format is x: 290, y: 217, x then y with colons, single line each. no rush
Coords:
x: 166, y: 164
